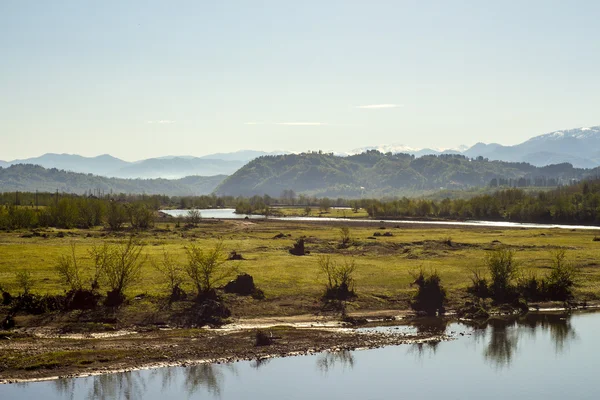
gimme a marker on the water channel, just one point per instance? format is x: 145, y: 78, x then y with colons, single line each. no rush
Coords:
x: 229, y: 213
x: 539, y: 356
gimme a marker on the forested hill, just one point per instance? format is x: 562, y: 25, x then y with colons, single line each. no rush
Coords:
x: 27, y: 177
x: 374, y: 174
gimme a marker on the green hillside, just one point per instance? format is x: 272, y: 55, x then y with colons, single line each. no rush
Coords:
x: 374, y: 174
x: 29, y: 178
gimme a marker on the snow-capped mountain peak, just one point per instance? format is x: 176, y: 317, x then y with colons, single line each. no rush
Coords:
x: 577, y: 133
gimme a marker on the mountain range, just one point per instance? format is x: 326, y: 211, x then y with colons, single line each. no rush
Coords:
x: 579, y: 147
x: 168, y: 167
x: 29, y: 178
x: 381, y: 172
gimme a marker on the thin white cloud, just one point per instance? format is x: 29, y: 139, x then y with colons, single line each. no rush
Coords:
x: 288, y: 123
x: 161, y: 121
x: 301, y: 123
x: 379, y: 106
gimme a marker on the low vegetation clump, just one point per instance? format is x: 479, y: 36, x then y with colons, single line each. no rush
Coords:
x: 345, y: 236
x: 561, y: 280
x: 243, y: 285
x: 503, y: 269
x: 29, y: 302
x: 263, y: 338
x: 37, y: 304
x: 7, y: 323
x: 431, y: 296
x: 480, y: 286
x: 298, y: 248
x: 509, y: 283
x: 235, y: 256
x: 339, y: 278
x: 6, y: 298
x: 210, y: 311
x: 24, y: 281
x: 556, y: 286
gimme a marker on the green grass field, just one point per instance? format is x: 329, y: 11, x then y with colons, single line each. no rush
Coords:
x: 384, y: 264
x: 299, y: 211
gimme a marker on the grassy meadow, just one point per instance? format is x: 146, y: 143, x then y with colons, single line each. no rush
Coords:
x: 293, y: 284
x: 300, y: 211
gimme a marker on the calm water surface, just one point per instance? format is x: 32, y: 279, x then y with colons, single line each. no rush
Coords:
x: 230, y: 214
x: 212, y: 213
x: 535, y: 357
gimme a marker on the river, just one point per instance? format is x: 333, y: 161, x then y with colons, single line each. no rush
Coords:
x: 539, y: 356
x: 229, y: 213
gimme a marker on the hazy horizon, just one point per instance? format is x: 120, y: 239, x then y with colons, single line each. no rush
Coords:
x: 148, y: 79
x: 340, y: 152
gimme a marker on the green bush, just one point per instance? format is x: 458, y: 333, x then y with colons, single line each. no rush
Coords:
x: 531, y: 288
x: 556, y: 286
x: 430, y: 296
x: 503, y: 270
x: 24, y: 281
x: 480, y: 287
x: 559, y: 283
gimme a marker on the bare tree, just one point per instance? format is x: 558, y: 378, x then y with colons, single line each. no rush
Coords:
x: 340, y: 277
x: 124, y: 265
x: 205, y: 268
x: 101, y: 256
x: 68, y: 270
x: 345, y: 235
x: 171, y: 271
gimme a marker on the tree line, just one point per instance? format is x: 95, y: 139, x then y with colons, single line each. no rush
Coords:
x: 577, y: 203
x: 26, y: 210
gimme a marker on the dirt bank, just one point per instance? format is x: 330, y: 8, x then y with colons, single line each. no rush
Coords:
x: 40, y: 354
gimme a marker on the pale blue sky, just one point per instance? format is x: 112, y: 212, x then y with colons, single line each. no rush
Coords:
x: 138, y: 79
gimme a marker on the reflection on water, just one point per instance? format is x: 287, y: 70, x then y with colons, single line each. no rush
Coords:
x: 431, y: 326
x: 126, y: 385
x: 507, y: 348
x: 259, y: 362
x: 503, y: 334
x: 502, y: 342
x: 329, y: 360
x: 422, y: 349
x: 205, y: 376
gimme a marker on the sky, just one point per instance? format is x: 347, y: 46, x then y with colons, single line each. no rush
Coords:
x: 140, y: 79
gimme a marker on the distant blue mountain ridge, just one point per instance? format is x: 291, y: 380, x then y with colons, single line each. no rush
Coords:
x: 579, y: 147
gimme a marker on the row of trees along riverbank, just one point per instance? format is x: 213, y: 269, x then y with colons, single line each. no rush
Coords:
x: 577, y: 203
